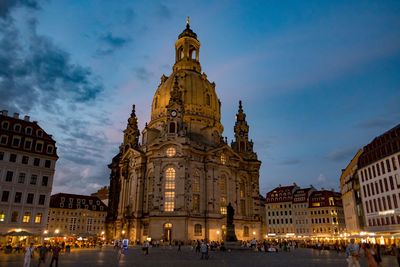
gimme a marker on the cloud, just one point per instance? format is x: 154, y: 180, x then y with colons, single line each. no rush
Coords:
x: 143, y: 74
x: 109, y: 43
x: 7, y: 5
x: 35, y: 68
x: 343, y: 154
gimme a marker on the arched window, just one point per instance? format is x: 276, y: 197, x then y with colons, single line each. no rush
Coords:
x: 246, y: 231
x: 180, y: 53
x: 169, y: 193
x: 223, y: 194
x: 197, y: 230
x: 172, y: 128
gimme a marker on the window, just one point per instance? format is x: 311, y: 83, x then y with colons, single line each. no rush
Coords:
x: 246, y: 231
x: 36, y: 162
x: 39, y: 147
x: 1, y: 155
x: 5, y: 125
x: 171, y: 151
x: 9, y: 176
x: 223, y: 205
x: 18, y: 197
x: 25, y: 160
x: 197, y: 230
x: 196, y: 183
x: 16, y: 141
x: 14, y: 216
x: 72, y: 224
x: 145, y: 229
x: 38, y: 218
x: 45, y: 180
x: 39, y: 133
x: 27, y: 217
x: 394, y: 163
x: 208, y: 100
x: 47, y: 163
x: 242, y: 190
x: 4, y: 140
x: 388, y: 165
x: 196, y: 203
x: 28, y: 130
x: 2, y: 216
x: 172, y: 127
x: 33, y: 179
x: 391, y: 182
x: 4, y: 196
x: 170, y: 178
x: 42, y: 199
x: 50, y: 149
x: 223, y: 159
x: 21, y: 178
x: 29, y: 199
x: 169, y: 201
x: 13, y: 157
x: 243, y: 207
x: 28, y: 144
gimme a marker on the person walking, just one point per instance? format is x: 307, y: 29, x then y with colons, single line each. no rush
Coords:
x: 203, y: 250
x: 56, y: 253
x: 42, y: 254
x: 28, y: 255
x: 352, y: 254
x: 179, y: 246
x: 369, y: 255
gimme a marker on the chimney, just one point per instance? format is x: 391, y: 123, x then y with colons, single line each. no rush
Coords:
x: 16, y: 115
x: 4, y: 112
x: 26, y: 118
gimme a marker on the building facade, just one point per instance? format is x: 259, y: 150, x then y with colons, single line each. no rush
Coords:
x: 379, y: 176
x: 302, y: 226
x: 176, y: 183
x: 76, y: 215
x: 279, y: 210
x: 28, y: 157
x: 351, y: 197
x: 326, y: 214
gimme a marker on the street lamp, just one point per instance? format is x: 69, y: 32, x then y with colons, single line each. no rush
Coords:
x: 56, y: 231
x: 45, y: 232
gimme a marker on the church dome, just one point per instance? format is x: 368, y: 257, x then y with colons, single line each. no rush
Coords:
x: 202, y: 108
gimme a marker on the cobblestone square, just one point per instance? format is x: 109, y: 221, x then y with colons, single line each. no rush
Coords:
x: 168, y: 257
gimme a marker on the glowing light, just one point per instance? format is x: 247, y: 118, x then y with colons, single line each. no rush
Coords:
x: 45, y: 232
x: 254, y: 232
x: 18, y: 230
x: 217, y: 232
x: 102, y: 233
x: 56, y: 231
x: 123, y: 232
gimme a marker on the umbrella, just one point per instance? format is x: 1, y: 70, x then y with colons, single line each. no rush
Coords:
x: 21, y: 233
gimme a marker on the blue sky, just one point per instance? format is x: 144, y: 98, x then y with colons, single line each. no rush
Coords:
x: 318, y: 79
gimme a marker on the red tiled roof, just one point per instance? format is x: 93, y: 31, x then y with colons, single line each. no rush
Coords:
x: 70, y: 201
x: 321, y: 199
x: 24, y: 124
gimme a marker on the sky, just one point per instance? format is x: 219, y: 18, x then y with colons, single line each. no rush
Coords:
x: 318, y: 79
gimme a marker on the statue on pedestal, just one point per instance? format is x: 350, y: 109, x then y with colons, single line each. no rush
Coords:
x: 230, y: 227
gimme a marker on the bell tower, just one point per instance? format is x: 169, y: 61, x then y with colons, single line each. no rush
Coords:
x: 131, y: 133
x: 187, y: 49
x: 241, y: 130
x: 175, y: 112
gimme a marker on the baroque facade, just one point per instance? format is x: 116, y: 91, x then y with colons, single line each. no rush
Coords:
x: 28, y: 157
x: 176, y: 183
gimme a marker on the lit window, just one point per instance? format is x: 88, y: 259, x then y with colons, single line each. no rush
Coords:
x: 223, y: 159
x: 170, y: 178
x: 222, y: 203
x: 38, y: 218
x: 2, y: 216
x: 27, y: 217
x: 171, y: 151
x: 169, y: 201
x: 196, y: 203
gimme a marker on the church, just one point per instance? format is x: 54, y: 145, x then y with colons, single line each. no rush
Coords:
x: 174, y: 179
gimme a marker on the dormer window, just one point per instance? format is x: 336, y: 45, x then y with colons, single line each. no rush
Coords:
x: 50, y: 149
x: 28, y: 130
x: 39, y: 133
x: 17, y: 127
x: 5, y: 125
